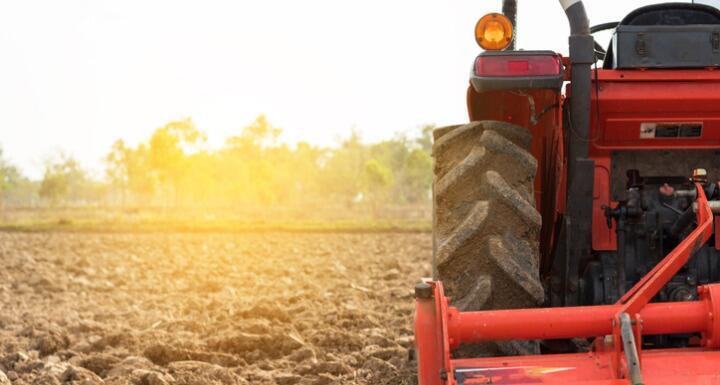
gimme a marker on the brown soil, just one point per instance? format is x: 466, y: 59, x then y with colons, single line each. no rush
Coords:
x: 192, y: 309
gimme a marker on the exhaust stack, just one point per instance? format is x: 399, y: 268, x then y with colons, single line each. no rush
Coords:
x: 575, y: 233
x: 509, y: 9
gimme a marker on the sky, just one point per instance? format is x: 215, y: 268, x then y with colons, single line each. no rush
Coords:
x: 76, y: 75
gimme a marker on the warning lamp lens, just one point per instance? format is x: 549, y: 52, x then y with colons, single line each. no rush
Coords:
x: 513, y: 65
x: 494, y: 32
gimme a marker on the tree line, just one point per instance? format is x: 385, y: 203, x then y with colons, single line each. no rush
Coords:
x: 174, y: 168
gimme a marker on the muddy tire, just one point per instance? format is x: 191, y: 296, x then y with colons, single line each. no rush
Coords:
x: 485, y: 225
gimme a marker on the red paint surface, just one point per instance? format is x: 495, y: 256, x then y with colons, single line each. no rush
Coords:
x: 660, y: 367
x: 622, y: 101
x: 627, y: 98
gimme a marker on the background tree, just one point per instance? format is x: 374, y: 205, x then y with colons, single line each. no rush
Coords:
x: 377, y: 180
x: 417, y: 175
x: 343, y: 169
x: 252, y: 170
x: 167, y: 157
x: 425, y: 138
x: 9, y: 179
x: 260, y: 163
x: 66, y: 182
x: 118, y: 163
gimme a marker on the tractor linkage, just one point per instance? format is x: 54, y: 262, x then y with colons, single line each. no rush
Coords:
x: 616, y: 356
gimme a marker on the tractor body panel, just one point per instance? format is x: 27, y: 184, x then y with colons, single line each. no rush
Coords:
x: 660, y: 367
x: 661, y: 123
x: 627, y: 108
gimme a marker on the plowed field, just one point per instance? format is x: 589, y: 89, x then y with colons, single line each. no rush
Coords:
x: 183, y: 308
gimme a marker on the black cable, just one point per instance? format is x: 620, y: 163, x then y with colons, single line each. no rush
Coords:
x: 597, y: 101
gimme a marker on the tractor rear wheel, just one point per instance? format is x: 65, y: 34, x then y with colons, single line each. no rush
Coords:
x: 485, y: 225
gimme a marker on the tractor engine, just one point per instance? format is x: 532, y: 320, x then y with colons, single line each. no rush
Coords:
x: 653, y: 215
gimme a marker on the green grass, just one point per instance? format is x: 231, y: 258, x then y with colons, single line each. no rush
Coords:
x: 317, y: 218
x: 224, y: 225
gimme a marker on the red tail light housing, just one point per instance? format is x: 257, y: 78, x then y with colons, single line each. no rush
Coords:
x: 518, y: 65
x: 517, y: 69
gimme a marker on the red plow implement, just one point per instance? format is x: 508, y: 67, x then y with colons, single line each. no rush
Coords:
x: 616, y: 355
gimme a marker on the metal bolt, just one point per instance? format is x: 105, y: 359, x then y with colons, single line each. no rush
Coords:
x: 699, y: 175
x: 423, y: 291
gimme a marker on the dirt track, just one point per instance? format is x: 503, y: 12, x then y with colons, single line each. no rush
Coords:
x: 154, y: 309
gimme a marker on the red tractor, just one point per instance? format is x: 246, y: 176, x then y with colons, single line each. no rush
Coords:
x: 574, y: 230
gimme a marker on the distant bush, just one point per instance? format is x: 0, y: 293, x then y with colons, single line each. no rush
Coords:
x: 174, y: 168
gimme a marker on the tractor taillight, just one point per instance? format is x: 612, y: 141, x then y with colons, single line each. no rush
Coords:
x: 518, y: 65
x: 515, y: 70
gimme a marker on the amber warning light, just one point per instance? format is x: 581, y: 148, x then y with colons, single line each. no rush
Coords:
x: 494, y: 32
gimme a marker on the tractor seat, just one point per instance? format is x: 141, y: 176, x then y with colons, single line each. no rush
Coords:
x: 680, y: 15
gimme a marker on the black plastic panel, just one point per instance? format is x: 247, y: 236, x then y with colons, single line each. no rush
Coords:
x: 673, y: 14
x: 687, y: 46
x: 669, y: 35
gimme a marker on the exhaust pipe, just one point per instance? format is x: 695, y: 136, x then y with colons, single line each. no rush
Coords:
x: 575, y: 234
x: 575, y: 11
x: 582, y: 56
x: 509, y: 9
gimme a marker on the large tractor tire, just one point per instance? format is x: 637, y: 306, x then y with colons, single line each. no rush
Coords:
x: 485, y: 225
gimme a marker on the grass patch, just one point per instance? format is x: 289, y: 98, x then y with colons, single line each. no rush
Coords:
x: 164, y: 225
x: 328, y: 218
